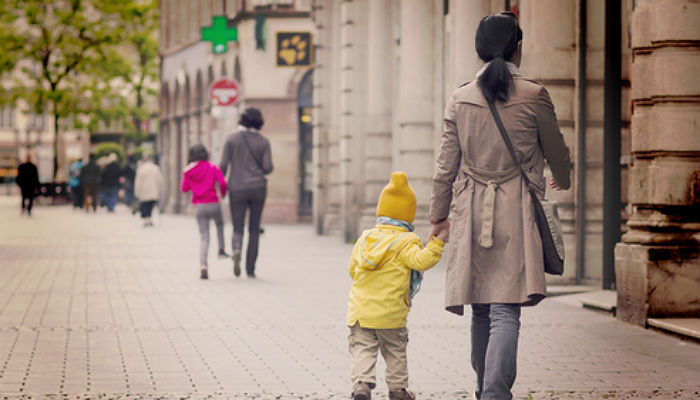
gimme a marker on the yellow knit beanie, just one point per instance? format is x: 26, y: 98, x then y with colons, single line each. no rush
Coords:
x: 397, y: 200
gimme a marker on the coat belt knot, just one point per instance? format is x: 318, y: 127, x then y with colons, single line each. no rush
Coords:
x: 492, y: 180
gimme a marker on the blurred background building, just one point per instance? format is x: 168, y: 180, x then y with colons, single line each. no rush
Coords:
x: 270, y: 78
x: 624, y: 77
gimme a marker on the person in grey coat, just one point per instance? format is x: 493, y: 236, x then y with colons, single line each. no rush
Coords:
x: 495, y: 261
x: 247, y: 159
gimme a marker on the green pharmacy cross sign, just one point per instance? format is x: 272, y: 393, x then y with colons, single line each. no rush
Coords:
x: 219, y: 34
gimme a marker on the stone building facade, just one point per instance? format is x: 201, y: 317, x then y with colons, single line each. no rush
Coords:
x: 188, y: 68
x: 386, y: 68
x: 658, y: 262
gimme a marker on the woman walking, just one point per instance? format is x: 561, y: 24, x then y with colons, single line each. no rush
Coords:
x: 200, y: 176
x: 247, y: 155
x: 495, y: 261
x: 147, y: 187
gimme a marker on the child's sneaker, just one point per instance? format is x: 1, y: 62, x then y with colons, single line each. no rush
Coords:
x: 401, y: 394
x: 361, y: 391
x: 204, y: 274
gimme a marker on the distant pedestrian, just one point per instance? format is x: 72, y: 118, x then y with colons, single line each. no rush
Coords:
x: 147, y: 187
x: 90, y: 179
x: 28, y: 182
x: 128, y: 174
x: 76, y: 187
x: 201, y: 176
x: 495, y: 261
x: 109, y: 182
x: 384, y: 267
x: 247, y: 155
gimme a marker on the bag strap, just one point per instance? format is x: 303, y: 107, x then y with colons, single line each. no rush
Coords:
x: 504, y: 135
x: 245, y: 139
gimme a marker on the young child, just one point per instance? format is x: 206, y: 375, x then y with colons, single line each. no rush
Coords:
x: 200, y: 176
x: 380, y: 266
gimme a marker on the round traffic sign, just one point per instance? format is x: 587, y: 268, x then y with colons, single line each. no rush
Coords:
x: 224, y: 92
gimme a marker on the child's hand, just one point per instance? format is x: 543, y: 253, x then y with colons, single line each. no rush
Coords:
x: 441, y: 230
x: 444, y: 235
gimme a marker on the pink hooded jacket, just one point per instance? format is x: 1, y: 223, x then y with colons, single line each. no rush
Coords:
x: 200, y: 177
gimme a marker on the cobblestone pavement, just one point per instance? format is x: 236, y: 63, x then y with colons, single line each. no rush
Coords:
x: 97, y: 307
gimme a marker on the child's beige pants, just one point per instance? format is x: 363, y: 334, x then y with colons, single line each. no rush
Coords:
x: 364, y: 343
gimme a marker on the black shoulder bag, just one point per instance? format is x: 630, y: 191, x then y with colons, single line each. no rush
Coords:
x: 544, y: 212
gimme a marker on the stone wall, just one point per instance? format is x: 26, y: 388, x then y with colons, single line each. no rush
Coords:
x: 657, y: 265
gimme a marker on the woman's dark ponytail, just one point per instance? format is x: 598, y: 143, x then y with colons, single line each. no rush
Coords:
x: 497, y: 40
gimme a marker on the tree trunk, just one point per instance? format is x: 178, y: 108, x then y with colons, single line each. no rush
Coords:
x: 55, y: 143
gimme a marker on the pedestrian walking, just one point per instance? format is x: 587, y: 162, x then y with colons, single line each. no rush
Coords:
x: 495, y: 262
x: 147, y: 187
x: 76, y: 187
x: 28, y: 182
x: 382, y: 264
x: 128, y: 174
x: 90, y: 179
x: 246, y: 155
x: 201, y: 176
x: 109, y: 181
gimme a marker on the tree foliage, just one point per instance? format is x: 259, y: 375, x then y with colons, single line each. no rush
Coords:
x: 133, y: 67
x: 80, y: 57
x: 107, y: 148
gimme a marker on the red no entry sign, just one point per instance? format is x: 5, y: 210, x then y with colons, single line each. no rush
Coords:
x: 224, y: 92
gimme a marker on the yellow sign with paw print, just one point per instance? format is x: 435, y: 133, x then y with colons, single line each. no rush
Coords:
x: 294, y: 49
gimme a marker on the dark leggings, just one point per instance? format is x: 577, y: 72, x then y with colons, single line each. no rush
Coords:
x: 147, y: 208
x: 253, y: 201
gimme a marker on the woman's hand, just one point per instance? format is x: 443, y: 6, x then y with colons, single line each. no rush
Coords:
x: 554, y: 185
x: 441, y: 230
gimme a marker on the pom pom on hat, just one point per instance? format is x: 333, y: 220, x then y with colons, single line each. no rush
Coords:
x: 397, y: 200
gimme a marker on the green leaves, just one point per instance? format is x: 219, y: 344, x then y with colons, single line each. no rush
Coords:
x: 96, y: 58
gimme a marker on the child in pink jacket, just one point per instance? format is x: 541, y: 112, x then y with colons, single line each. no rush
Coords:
x: 200, y: 177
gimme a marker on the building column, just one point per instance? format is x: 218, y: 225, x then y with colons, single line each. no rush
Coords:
x: 323, y: 16
x: 657, y: 265
x: 462, y: 21
x: 351, y: 127
x: 420, y: 68
x: 550, y: 57
x: 378, y: 138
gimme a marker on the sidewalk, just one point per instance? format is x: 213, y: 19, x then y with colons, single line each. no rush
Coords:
x: 96, y: 306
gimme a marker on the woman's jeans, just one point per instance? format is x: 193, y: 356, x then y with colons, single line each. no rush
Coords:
x: 251, y: 201
x: 495, y: 330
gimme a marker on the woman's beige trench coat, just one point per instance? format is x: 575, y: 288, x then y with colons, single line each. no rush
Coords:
x: 511, y: 270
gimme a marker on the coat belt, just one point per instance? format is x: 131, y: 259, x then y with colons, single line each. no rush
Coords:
x: 492, y: 179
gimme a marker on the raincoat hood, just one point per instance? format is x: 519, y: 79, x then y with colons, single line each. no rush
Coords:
x: 198, y: 171
x: 201, y: 178
x: 379, y: 246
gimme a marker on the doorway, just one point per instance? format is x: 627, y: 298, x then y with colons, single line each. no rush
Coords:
x: 304, y: 117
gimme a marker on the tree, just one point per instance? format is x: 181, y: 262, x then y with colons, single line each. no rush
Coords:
x: 57, y: 43
x: 133, y: 66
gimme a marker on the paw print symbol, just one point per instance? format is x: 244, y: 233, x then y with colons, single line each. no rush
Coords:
x: 293, y: 50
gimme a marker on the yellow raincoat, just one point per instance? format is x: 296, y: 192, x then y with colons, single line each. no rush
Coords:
x: 380, y: 267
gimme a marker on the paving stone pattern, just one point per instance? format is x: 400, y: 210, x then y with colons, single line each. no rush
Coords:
x: 94, y: 306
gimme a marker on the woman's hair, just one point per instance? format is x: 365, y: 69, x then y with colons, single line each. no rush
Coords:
x: 252, y: 118
x: 497, y: 40
x: 197, y: 153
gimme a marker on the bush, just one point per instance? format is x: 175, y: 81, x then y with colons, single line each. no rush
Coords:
x: 137, y: 153
x: 107, y: 148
